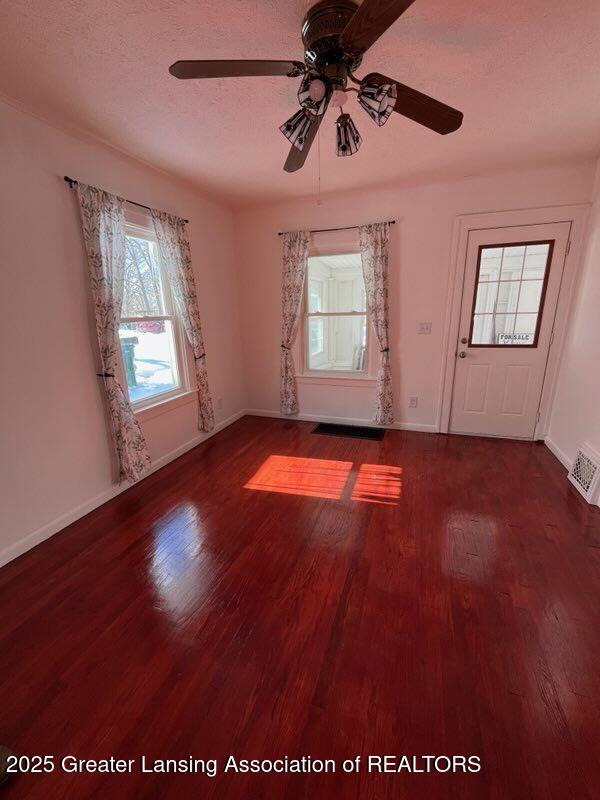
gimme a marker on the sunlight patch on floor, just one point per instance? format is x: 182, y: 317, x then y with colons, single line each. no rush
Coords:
x: 311, y: 477
x: 378, y: 483
x: 317, y: 477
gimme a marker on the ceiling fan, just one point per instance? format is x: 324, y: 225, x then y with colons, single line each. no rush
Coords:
x: 336, y: 34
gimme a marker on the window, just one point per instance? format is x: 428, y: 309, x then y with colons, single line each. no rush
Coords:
x: 149, y: 331
x: 509, y: 294
x: 335, y: 314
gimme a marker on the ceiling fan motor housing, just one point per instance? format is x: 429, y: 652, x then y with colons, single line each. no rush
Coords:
x: 321, y: 31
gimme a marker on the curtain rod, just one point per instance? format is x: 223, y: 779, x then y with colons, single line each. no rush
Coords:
x: 327, y: 230
x: 72, y: 182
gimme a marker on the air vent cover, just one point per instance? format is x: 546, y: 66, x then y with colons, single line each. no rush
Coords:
x: 585, y: 473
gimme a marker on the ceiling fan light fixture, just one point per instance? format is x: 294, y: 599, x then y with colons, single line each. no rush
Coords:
x: 378, y: 100
x: 348, y: 139
x: 336, y: 34
x: 314, y: 93
x: 296, y: 127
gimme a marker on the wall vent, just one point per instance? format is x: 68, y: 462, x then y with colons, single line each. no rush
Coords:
x: 585, y: 473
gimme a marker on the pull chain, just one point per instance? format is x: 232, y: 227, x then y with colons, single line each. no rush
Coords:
x: 319, y: 201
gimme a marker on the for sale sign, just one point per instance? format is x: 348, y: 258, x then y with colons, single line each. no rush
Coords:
x: 515, y: 338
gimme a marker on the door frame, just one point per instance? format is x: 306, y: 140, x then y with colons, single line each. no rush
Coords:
x: 464, y: 224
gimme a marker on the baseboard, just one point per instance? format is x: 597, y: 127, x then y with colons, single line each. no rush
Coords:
x: 59, y: 523
x: 555, y: 450
x: 401, y: 426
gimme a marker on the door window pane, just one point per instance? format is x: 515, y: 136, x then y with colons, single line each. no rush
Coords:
x: 492, y: 328
x: 512, y: 263
x: 535, y: 261
x: 531, y: 294
x: 508, y: 297
x: 482, y: 329
x: 490, y: 264
x: 149, y: 358
x: 486, y: 297
x: 525, y: 328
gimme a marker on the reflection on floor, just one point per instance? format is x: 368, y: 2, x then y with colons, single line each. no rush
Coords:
x: 180, y: 563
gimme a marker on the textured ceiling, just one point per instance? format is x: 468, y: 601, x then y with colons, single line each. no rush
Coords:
x: 525, y: 74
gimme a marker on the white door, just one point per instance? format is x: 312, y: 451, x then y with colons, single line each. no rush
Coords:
x: 511, y: 285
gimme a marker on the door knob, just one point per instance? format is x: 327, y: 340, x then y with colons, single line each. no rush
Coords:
x: 464, y: 340
x: 462, y: 354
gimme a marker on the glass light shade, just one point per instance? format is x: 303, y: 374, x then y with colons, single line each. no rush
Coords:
x: 296, y: 128
x: 316, y: 99
x: 338, y: 98
x: 347, y: 137
x: 317, y: 89
x: 378, y: 100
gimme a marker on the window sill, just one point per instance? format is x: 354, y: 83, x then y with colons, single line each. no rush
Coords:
x: 362, y: 382
x: 163, y: 406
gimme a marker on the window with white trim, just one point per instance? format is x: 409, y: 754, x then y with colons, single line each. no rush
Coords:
x: 335, y: 317
x: 149, y: 330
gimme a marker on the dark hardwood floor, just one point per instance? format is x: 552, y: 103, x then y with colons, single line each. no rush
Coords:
x: 274, y: 593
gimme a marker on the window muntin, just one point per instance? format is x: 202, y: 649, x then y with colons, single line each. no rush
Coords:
x: 335, y: 315
x: 149, y: 331
x: 509, y: 294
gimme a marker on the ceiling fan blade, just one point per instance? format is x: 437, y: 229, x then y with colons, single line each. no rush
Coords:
x: 420, y: 107
x: 234, y: 69
x: 296, y: 158
x: 372, y: 18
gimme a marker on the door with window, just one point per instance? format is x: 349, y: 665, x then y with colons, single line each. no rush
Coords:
x: 511, y: 287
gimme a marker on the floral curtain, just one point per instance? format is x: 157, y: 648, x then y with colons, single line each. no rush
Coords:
x: 103, y: 225
x: 374, y: 252
x: 295, y: 255
x: 174, y: 249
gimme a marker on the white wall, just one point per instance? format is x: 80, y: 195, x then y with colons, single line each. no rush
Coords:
x: 576, y: 410
x: 419, y: 266
x: 56, y: 459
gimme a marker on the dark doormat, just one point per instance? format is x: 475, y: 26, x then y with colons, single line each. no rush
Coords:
x: 355, y: 431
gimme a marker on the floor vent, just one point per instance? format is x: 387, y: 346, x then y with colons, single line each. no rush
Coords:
x: 585, y: 473
x: 355, y: 431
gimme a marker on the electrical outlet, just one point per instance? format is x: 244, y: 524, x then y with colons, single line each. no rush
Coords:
x: 220, y: 403
x: 413, y: 402
x: 424, y: 327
